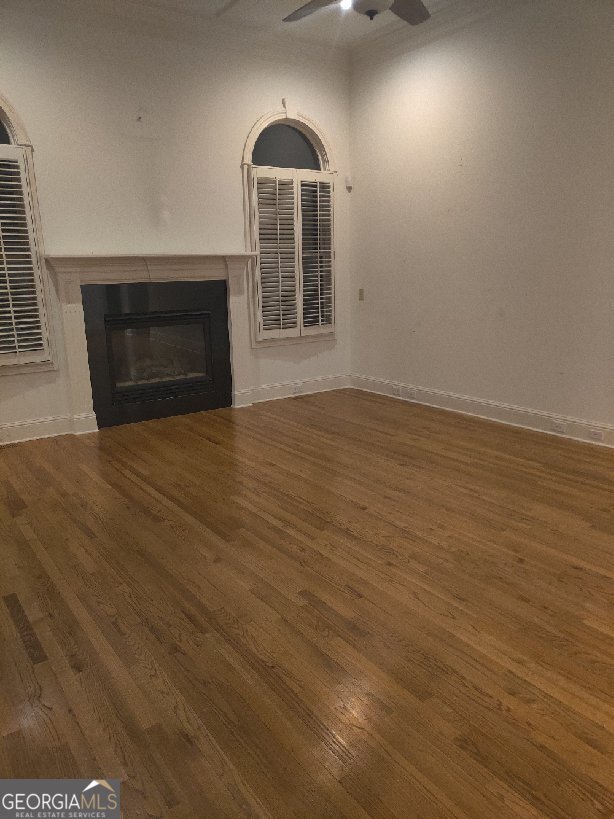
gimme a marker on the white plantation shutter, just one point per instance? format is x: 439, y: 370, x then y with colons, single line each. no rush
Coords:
x: 316, y: 218
x: 23, y: 326
x: 293, y: 236
x: 277, y: 247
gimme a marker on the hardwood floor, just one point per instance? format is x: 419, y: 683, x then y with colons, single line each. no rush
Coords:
x: 335, y: 605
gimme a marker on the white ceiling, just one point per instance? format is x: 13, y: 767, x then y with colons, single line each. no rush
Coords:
x: 327, y: 26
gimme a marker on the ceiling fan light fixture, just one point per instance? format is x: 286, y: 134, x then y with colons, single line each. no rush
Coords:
x: 413, y: 12
x: 371, y: 7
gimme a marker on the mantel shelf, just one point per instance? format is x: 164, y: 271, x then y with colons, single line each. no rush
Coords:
x: 112, y: 269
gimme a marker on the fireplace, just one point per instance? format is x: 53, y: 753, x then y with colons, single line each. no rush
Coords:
x: 157, y: 349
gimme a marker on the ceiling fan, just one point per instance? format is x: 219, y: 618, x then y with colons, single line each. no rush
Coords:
x: 412, y: 11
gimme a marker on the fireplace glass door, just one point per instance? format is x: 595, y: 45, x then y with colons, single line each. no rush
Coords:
x: 152, y: 356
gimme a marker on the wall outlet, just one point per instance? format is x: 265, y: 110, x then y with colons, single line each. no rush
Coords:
x: 297, y: 388
x: 396, y: 390
x: 560, y: 427
x: 411, y: 394
x: 361, y: 294
x: 596, y: 434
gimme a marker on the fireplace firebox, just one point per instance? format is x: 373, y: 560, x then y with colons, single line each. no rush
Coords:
x: 157, y: 349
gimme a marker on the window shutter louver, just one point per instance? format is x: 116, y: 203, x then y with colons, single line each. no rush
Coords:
x: 317, y: 255
x: 277, y: 247
x: 23, y: 329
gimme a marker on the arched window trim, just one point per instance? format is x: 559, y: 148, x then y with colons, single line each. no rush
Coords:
x: 13, y: 124
x: 20, y: 142
x: 325, y: 155
x: 302, y: 124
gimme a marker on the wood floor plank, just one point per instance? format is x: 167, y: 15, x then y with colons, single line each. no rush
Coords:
x: 339, y: 605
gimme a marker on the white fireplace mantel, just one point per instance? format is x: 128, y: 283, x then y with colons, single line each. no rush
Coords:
x: 148, y: 268
x: 70, y: 272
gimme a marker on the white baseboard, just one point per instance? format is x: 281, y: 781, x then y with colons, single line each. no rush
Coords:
x: 17, y: 431
x: 84, y: 422
x: 271, y: 392
x: 551, y: 423
x: 562, y: 425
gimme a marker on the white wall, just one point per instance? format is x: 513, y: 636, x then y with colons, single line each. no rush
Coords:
x: 172, y: 183
x: 483, y: 208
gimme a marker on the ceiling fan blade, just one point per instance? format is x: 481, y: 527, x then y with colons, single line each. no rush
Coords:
x: 413, y: 12
x: 307, y: 9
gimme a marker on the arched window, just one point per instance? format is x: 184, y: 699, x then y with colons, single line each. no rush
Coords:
x: 291, y: 210
x: 282, y: 146
x: 5, y: 139
x: 24, y: 335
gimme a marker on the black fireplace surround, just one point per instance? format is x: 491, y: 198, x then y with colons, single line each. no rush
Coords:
x: 157, y: 350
